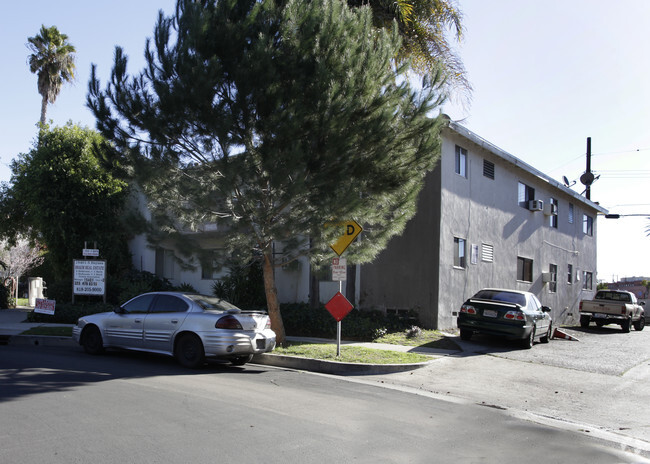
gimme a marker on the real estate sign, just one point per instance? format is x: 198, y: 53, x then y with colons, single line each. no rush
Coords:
x: 89, y: 277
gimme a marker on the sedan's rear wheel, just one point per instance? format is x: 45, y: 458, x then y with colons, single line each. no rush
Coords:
x: 189, y: 351
x: 465, y: 334
x: 527, y: 343
x: 241, y: 360
x: 91, y: 340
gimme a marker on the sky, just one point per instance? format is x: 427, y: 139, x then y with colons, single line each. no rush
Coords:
x: 545, y: 76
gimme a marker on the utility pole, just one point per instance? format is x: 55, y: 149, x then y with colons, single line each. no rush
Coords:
x: 588, y: 177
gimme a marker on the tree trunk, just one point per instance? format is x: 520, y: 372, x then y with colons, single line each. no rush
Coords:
x: 43, y: 111
x: 272, y: 299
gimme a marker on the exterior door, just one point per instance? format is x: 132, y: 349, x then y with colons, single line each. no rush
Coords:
x: 165, y: 317
x: 127, y: 327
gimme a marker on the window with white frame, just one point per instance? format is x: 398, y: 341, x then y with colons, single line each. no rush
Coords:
x: 552, y: 284
x: 488, y: 169
x: 211, y: 267
x: 587, y: 225
x: 460, y: 252
x: 524, y: 269
x: 569, y: 276
x: 461, y: 161
x: 554, y: 210
x: 165, y: 263
x: 587, y: 280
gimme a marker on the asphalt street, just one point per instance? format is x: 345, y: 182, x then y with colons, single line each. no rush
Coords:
x: 59, y: 405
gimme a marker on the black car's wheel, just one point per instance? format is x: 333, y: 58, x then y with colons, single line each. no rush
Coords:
x: 465, y: 334
x: 640, y: 324
x: 549, y: 333
x: 584, y: 321
x: 241, y: 360
x: 527, y: 343
x: 91, y: 340
x: 600, y: 323
x: 189, y: 351
x: 626, y: 325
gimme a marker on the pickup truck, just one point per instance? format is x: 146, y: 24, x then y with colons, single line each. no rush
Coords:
x: 613, y: 307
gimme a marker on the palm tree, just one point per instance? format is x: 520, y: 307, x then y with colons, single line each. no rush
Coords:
x: 424, y: 26
x: 53, y: 60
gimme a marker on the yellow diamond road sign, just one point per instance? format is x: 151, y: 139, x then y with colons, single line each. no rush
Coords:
x: 352, y: 229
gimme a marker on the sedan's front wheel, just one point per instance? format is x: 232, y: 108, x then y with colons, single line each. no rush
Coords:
x: 189, y: 351
x: 91, y: 340
x: 549, y: 334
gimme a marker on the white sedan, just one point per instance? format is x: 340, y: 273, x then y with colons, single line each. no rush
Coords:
x: 188, y: 326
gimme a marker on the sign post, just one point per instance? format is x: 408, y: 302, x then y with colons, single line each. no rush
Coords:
x: 339, y: 306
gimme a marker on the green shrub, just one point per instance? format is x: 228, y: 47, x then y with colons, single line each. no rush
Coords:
x: 68, y: 313
x: 300, y: 320
x: 243, y: 287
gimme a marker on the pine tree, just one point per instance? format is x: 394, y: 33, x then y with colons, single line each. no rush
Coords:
x: 273, y: 121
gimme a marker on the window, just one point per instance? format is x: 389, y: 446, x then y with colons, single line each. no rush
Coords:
x: 165, y: 263
x: 169, y: 304
x: 487, y: 253
x: 525, y: 194
x: 569, y: 276
x: 488, y: 169
x: 459, y: 252
x: 587, y: 280
x: 139, y: 304
x: 570, y: 213
x: 552, y: 285
x: 524, y: 269
x: 553, y: 217
x: 587, y: 225
x: 211, y: 266
x: 461, y: 161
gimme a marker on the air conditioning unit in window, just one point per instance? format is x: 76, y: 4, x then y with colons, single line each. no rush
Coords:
x: 550, y: 209
x: 536, y: 205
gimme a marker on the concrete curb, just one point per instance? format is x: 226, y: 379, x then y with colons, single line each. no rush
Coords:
x: 36, y: 340
x: 333, y: 367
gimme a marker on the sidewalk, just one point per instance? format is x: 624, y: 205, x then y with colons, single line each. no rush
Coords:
x: 12, y: 325
x: 12, y: 321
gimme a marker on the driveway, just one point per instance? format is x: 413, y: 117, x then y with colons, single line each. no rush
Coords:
x: 599, y: 385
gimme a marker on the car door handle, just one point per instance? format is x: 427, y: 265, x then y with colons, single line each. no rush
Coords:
x: 174, y: 321
x: 138, y: 320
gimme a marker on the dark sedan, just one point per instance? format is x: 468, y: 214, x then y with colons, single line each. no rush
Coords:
x: 512, y: 314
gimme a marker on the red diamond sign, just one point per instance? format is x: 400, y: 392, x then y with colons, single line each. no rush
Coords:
x: 339, y: 306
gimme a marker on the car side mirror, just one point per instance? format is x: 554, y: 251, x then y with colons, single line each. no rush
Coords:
x: 642, y: 303
x: 119, y: 310
x: 546, y: 309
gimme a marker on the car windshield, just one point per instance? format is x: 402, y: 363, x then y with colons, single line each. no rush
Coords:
x: 500, y: 295
x: 212, y: 303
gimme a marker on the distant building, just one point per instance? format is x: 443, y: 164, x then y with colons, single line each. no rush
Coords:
x: 485, y: 219
x: 632, y: 284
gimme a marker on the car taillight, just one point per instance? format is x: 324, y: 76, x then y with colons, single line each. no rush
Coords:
x: 623, y: 310
x: 228, y: 322
x: 468, y: 309
x: 514, y: 315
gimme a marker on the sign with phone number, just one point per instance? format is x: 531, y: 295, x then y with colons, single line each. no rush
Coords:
x: 89, y: 277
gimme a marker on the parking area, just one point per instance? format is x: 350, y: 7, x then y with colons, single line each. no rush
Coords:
x: 606, y: 350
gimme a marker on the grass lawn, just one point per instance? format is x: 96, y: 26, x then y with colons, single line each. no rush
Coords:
x: 51, y: 331
x: 426, y: 339
x: 350, y: 354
